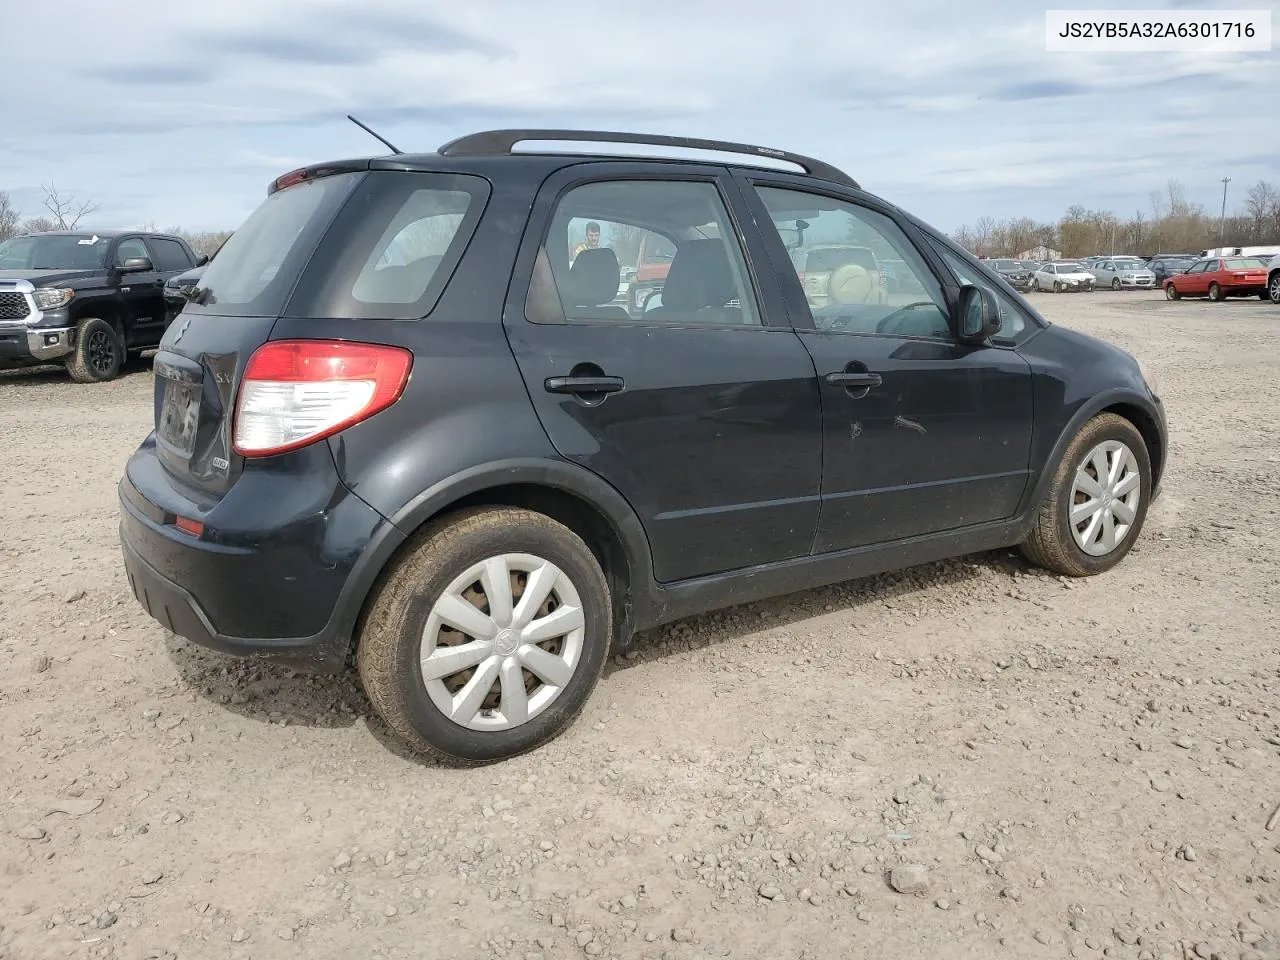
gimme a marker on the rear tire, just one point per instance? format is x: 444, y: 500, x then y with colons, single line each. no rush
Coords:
x: 1215, y: 293
x: 409, y: 623
x: 1055, y: 542
x: 98, y: 355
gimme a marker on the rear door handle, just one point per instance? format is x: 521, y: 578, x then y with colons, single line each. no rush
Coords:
x: 850, y: 379
x: 577, y: 385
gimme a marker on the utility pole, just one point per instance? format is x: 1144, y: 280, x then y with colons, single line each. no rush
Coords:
x: 1222, y: 229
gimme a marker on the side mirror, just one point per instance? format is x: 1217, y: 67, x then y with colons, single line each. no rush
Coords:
x: 204, y: 258
x: 136, y: 265
x: 978, y: 313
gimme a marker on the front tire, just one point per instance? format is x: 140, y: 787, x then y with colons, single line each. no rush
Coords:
x: 1215, y: 293
x: 1171, y: 292
x: 1057, y: 287
x: 1096, y: 502
x: 99, y: 353
x: 1273, y: 287
x: 452, y: 660
x: 1115, y: 284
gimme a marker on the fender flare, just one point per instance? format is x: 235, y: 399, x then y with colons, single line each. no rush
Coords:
x: 560, y: 475
x: 1087, y: 412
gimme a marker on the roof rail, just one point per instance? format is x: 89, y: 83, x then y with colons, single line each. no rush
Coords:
x: 499, y: 142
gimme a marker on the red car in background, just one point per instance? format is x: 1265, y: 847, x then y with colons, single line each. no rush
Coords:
x: 1220, y: 277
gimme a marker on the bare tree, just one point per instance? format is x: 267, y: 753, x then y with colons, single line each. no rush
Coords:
x: 64, y: 210
x: 39, y: 225
x: 1260, y: 203
x: 10, y: 219
x: 983, y: 234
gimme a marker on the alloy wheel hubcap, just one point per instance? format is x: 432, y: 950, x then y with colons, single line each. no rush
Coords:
x: 101, y: 351
x: 1104, y: 498
x: 1275, y: 289
x: 502, y: 642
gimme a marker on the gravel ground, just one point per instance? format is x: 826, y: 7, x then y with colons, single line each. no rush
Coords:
x: 969, y: 759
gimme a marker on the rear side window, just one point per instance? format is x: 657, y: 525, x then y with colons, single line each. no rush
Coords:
x: 170, y: 254
x: 392, y: 248
x: 257, y: 267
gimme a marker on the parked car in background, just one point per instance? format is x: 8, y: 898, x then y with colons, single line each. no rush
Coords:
x: 1167, y: 265
x: 462, y: 476
x: 1220, y: 277
x: 1123, y: 274
x: 834, y: 273
x: 650, y: 271
x: 1063, y: 276
x: 178, y: 288
x: 1014, y: 273
x: 1273, y: 279
x: 85, y: 300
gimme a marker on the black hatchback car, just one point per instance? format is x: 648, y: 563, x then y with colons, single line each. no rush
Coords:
x: 403, y: 424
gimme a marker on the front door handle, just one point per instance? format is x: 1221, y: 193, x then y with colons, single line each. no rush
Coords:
x: 578, y: 385
x: 852, y: 381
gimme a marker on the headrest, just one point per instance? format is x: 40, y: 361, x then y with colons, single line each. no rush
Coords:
x: 593, y: 278
x: 699, y: 276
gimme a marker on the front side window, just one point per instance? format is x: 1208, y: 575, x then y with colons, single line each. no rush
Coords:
x: 859, y: 271
x: 656, y: 251
x: 131, y: 249
x: 1012, y: 322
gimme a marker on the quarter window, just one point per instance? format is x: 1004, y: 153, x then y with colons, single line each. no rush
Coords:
x: 1012, y: 322
x: 655, y: 251
x: 859, y: 272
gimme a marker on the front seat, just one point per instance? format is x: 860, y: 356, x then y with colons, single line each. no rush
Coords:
x: 699, y: 285
x: 592, y: 285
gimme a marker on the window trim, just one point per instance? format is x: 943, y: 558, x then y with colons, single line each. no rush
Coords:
x: 542, y: 304
x: 117, y: 261
x: 798, y: 303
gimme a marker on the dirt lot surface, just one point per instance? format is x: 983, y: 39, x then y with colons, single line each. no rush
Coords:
x: 1068, y: 769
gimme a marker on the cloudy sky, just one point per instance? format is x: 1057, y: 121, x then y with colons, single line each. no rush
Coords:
x: 179, y: 113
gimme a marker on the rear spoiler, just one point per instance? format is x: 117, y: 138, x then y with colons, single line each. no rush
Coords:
x: 316, y: 172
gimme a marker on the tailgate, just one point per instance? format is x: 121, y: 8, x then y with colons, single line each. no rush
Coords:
x: 196, y: 373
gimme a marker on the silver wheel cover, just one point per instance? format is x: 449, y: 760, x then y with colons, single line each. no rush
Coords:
x: 1104, y: 498
x: 502, y: 642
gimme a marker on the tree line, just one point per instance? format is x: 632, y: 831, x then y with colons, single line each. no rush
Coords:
x: 65, y: 211
x: 1173, y: 224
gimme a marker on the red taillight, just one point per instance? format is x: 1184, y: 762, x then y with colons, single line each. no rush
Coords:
x: 289, y: 179
x: 193, y: 527
x: 295, y: 392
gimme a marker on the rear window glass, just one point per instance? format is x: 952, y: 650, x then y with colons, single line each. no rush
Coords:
x: 392, y: 248
x: 257, y: 267
x: 1245, y: 263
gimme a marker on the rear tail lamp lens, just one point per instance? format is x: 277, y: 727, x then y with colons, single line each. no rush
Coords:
x: 295, y: 392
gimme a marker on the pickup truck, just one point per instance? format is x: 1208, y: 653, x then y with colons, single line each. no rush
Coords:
x: 86, y: 300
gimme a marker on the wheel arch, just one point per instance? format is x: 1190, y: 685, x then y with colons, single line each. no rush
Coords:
x: 1125, y: 403
x: 567, y: 493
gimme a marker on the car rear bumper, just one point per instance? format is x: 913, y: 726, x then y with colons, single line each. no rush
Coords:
x: 287, y: 581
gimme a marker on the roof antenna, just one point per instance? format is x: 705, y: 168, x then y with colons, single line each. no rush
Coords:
x: 372, y: 134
